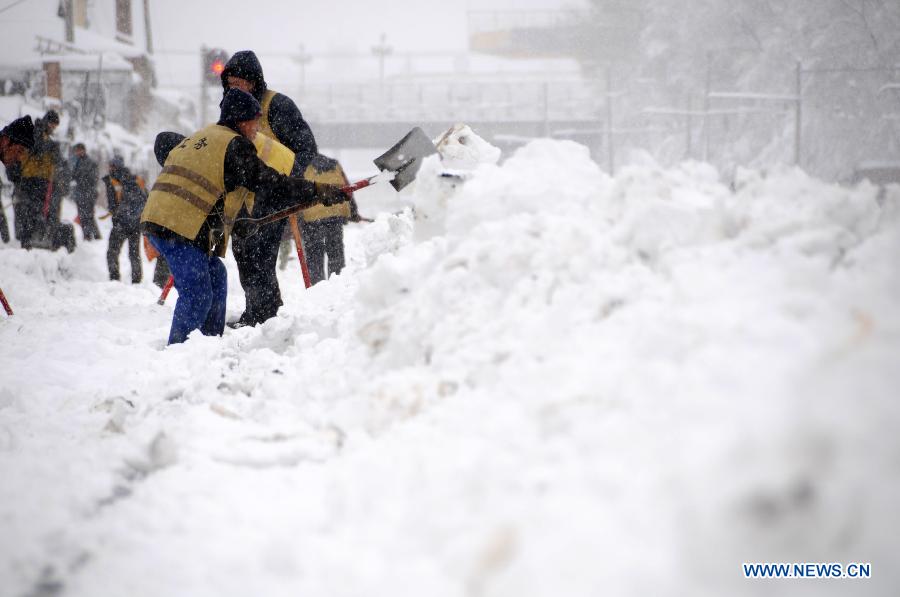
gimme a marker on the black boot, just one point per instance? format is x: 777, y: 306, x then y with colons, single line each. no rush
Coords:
x: 244, y: 320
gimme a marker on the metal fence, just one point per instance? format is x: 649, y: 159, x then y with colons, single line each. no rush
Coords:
x: 827, y: 120
x: 511, y: 100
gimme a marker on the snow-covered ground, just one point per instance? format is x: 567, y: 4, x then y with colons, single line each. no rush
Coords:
x: 560, y: 384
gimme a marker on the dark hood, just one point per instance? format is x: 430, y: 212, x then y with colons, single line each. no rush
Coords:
x: 165, y: 142
x: 245, y: 65
x: 21, y: 132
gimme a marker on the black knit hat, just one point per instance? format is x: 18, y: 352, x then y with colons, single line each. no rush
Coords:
x: 52, y: 116
x: 20, y: 132
x: 238, y: 106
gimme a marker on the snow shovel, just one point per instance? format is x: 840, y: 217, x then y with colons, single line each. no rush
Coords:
x: 6, y: 306
x: 403, y: 160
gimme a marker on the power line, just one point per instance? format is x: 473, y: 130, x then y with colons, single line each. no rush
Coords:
x: 8, y: 6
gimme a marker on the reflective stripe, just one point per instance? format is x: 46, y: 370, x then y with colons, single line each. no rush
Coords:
x: 266, y: 149
x: 182, y: 193
x: 195, y: 178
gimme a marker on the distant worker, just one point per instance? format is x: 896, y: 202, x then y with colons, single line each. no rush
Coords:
x: 125, y: 197
x: 33, y: 191
x: 323, y: 226
x: 85, y: 177
x: 16, y: 140
x: 195, y: 200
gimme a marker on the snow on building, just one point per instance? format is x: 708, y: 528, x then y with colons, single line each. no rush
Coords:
x: 92, y: 58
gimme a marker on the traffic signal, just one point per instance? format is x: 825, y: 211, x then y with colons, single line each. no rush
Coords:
x: 213, y: 64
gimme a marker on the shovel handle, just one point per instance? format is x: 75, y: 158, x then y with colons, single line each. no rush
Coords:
x: 165, y: 291
x: 6, y: 306
x: 301, y: 256
x: 358, y: 185
x: 279, y: 215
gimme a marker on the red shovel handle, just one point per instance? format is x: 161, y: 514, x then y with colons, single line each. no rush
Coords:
x: 165, y: 291
x: 5, y: 303
x: 45, y: 211
x: 279, y: 215
x: 298, y: 242
x: 358, y: 185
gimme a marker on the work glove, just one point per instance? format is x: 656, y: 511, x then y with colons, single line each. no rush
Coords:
x: 329, y: 194
x: 244, y: 228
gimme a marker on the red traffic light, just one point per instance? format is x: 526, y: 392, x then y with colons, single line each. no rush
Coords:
x: 213, y: 64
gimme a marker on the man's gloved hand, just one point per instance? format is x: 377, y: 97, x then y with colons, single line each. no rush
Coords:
x: 243, y: 229
x: 329, y: 194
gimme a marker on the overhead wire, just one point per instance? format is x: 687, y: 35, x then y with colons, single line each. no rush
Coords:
x: 8, y: 6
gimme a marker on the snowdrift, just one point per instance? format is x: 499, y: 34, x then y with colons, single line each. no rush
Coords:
x: 546, y: 382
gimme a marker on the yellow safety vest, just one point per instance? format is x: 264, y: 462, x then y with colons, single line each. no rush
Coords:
x: 264, y: 126
x: 38, y: 166
x: 191, y: 183
x: 334, y: 176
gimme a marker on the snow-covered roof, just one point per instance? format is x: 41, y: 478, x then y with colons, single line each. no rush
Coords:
x: 72, y: 62
x: 92, y: 42
x: 22, y: 31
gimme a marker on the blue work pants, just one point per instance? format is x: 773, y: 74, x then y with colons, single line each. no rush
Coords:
x: 202, y: 285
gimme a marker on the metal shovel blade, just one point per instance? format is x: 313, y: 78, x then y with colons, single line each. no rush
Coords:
x: 405, y: 158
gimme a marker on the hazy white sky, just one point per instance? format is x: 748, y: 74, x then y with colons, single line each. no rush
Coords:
x: 278, y: 27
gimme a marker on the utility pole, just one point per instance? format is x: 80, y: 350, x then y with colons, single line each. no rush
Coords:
x: 147, y: 33
x: 545, y: 93
x: 303, y: 58
x: 67, y: 8
x: 382, y: 51
x: 204, y: 95
x: 706, y: 119
x: 689, y: 125
x: 611, y: 156
x: 798, y: 130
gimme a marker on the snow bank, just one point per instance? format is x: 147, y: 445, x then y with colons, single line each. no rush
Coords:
x: 559, y: 383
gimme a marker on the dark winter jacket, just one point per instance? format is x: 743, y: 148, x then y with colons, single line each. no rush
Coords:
x: 165, y: 142
x: 62, y: 179
x: 125, y: 198
x: 285, y: 119
x: 85, y: 176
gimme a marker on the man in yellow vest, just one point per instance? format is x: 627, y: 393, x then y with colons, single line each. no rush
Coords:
x: 282, y: 121
x: 206, y: 180
x: 323, y: 226
x: 33, y: 191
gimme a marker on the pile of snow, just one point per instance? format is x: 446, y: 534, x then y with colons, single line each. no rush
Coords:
x: 571, y: 384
